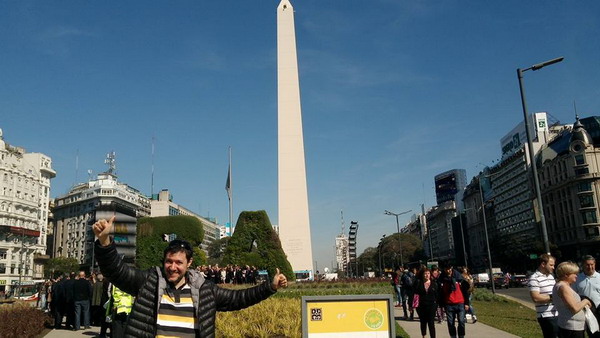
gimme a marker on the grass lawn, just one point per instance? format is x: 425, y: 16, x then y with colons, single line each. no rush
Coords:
x: 506, y: 315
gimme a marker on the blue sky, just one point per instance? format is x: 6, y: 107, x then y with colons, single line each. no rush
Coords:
x: 393, y: 93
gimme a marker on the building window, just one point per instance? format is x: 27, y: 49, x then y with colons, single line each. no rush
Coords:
x: 2, y: 254
x: 586, y: 201
x: 582, y: 171
x: 589, y: 217
x: 579, y: 159
x: 584, y: 186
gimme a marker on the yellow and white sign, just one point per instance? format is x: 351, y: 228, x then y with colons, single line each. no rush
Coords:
x: 347, y: 316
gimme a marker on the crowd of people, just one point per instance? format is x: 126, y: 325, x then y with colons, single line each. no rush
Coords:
x: 435, y: 295
x: 230, y: 274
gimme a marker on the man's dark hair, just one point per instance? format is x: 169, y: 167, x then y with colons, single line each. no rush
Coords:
x: 179, y: 245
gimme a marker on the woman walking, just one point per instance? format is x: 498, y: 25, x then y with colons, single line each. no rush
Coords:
x: 467, y: 276
x: 428, y: 292
x: 571, y: 319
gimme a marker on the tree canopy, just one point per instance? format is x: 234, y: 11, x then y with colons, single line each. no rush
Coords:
x: 57, y: 266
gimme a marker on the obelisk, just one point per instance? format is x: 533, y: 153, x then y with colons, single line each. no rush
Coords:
x: 294, y: 224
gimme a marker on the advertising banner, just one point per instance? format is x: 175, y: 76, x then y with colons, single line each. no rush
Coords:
x: 348, y: 316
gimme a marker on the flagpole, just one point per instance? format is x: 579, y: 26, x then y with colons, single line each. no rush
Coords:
x: 230, y: 195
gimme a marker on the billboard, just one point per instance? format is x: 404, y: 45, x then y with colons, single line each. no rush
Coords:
x: 517, y: 137
x: 348, y: 316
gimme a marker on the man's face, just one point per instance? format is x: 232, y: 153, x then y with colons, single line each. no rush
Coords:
x: 547, y: 268
x: 448, y: 271
x: 176, y: 265
x: 589, y: 267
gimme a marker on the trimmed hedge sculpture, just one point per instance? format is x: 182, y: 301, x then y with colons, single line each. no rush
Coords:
x: 150, y: 243
x: 254, y: 242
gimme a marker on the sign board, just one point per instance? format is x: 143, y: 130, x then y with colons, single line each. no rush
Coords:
x: 348, y: 316
x: 533, y: 256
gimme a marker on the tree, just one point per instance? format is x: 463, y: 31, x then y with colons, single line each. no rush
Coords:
x: 368, y: 260
x: 254, y: 242
x: 216, y: 250
x: 151, y: 244
x: 57, y: 266
x: 412, y: 250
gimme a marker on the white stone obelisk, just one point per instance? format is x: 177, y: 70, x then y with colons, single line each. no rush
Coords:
x: 294, y: 224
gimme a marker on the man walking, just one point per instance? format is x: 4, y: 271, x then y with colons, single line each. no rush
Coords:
x: 455, y: 296
x: 588, y: 284
x: 174, y: 300
x: 540, y: 290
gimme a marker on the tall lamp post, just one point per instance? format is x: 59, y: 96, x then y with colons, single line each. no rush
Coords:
x: 462, y: 235
x: 387, y: 212
x: 536, y: 181
x: 487, y: 240
x: 380, y: 246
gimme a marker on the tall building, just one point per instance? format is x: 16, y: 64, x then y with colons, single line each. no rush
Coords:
x: 449, y: 186
x: 76, y: 212
x: 24, y: 199
x: 341, y: 252
x: 441, y: 237
x: 163, y: 205
x: 570, y: 182
x: 294, y: 223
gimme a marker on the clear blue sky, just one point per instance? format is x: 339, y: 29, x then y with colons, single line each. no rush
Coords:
x: 393, y: 93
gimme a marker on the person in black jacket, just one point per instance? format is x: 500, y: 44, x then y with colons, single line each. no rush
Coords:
x: 455, y: 296
x: 82, y: 293
x: 184, y: 295
x: 427, y: 290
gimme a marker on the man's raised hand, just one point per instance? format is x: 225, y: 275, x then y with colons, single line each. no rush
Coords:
x: 102, y: 229
x: 279, y: 281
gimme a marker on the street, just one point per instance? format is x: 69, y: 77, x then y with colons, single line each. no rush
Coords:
x: 518, y: 294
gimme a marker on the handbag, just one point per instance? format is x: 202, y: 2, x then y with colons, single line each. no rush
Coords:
x: 415, y: 303
x: 590, y: 320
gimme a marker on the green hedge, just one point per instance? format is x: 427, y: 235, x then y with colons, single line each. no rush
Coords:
x: 254, y: 242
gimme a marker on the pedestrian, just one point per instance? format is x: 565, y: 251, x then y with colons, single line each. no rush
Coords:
x: 407, y: 281
x: 540, y: 290
x: 59, y: 301
x: 440, y: 314
x: 174, y: 300
x: 571, y: 319
x: 455, y: 296
x: 588, y: 285
x: 427, y: 290
x: 467, y: 276
x: 396, y: 285
x: 69, y: 301
x: 97, y: 311
x: 82, y: 293
x: 122, y: 303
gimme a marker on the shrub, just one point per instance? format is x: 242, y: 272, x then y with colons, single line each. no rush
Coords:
x: 24, y: 320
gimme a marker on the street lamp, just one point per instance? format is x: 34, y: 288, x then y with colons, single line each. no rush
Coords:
x: 487, y: 241
x: 530, y: 146
x: 462, y: 235
x: 379, y: 247
x: 398, y: 230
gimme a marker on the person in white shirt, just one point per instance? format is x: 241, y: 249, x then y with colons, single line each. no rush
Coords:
x: 540, y: 290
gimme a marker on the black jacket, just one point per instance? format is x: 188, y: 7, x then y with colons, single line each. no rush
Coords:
x: 82, y: 289
x: 427, y: 298
x: 149, y: 286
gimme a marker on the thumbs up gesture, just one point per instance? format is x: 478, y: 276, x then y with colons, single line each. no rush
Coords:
x: 279, y: 281
x: 102, y: 229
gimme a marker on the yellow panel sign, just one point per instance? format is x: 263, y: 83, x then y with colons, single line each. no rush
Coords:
x: 347, y: 316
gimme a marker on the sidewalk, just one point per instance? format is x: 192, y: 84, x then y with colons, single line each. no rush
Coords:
x: 93, y: 332
x: 472, y: 330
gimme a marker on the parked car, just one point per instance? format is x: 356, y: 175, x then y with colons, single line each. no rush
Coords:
x: 518, y: 281
x: 500, y: 281
x: 481, y: 280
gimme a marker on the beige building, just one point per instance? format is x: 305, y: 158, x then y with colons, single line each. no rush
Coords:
x: 24, y: 198
x: 75, y: 213
x: 163, y: 205
x: 570, y: 183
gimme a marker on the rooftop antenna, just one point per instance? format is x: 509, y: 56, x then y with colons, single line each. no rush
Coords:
x: 575, y: 107
x: 152, y: 175
x: 111, y: 161
x: 343, y: 225
x: 76, y: 167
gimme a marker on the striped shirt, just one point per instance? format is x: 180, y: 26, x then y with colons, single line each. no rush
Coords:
x: 176, y: 314
x: 543, y: 284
